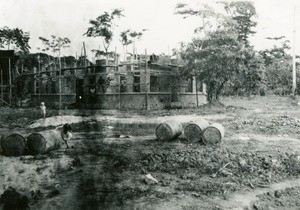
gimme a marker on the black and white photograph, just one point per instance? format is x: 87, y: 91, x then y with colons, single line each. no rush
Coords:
x: 149, y: 105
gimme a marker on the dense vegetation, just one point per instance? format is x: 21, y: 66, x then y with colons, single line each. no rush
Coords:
x: 222, y: 56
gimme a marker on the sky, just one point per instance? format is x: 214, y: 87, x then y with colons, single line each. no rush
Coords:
x: 70, y: 18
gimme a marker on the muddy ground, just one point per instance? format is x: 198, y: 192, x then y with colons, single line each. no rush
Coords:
x: 113, y: 154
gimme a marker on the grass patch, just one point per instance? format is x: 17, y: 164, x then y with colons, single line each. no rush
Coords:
x: 134, y: 129
x: 20, y: 118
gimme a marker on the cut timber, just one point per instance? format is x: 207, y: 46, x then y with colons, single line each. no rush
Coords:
x: 13, y: 145
x: 168, y: 130
x: 194, y: 130
x: 213, y: 134
x: 43, y: 142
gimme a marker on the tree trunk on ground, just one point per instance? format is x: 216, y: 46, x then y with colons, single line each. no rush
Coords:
x: 43, y: 142
x: 213, y: 134
x: 194, y: 130
x: 13, y: 145
x: 168, y: 130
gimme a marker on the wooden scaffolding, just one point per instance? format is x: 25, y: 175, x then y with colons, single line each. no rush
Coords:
x: 7, y: 58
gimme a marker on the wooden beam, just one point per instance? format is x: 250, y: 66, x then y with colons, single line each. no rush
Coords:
x: 2, y: 85
x: 146, y: 78
x: 197, y: 98
x: 10, y: 88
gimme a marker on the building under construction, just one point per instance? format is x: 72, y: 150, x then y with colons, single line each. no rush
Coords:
x: 140, y: 83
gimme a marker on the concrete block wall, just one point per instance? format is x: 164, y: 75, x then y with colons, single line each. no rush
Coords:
x: 138, y: 100
x: 52, y: 101
x: 189, y: 100
x: 129, y: 82
x: 127, y: 100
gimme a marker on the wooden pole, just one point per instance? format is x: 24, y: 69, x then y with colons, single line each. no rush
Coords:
x: 119, y: 90
x: 10, y: 86
x: 75, y: 64
x: 84, y: 51
x: 59, y: 80
x: 146, y: 79
x: 294, y: 62
x: 116, y: 58
x: 197, y: 99
x: 39, y: 70
x: 179, y: 88
x: 2, y: 85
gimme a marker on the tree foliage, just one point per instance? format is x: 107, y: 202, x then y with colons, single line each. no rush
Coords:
x: 125, y: 38
x: 237, y: 15
x: 242, y: 14
x: 129, y: 37
x: 251, y: 78
x: 278, y: 67
x: 277, y: 52
x: 15, y: 37
x: 223, y: 55
x: 103, y: 27
x: 55, y: 43
x: 214, y: 60
x: 279, y: 77
x: 205, y: 12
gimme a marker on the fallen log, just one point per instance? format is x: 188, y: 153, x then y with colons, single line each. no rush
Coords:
x: 213, y: 134
x: 168, y: 130
x: 13, y: 145
x: 44, y: 141
x: 194, y: 130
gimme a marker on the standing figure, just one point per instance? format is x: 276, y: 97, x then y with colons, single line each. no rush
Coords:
x: 66, y: 133
x: 43, y: 109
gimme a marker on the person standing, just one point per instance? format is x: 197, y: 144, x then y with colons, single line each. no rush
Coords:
x: 66, y: 134
x: 43, y: 109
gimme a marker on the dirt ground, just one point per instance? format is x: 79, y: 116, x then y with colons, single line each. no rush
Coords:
x: 115, y: 161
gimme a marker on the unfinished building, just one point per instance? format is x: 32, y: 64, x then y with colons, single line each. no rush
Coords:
x: 141, y: 83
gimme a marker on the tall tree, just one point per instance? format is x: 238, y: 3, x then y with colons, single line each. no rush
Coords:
x: 103, y: 27
x: 251, y: 78
x: 235, y: 19
x: 214, y: 60
x: 278, y: 67
x: 125, y: 39
x: 242, y: 14
x: 130, y: 37
x: 237, y: 15
x: 56, y: 44
x: 207, y: 14
x: 15, y: 37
